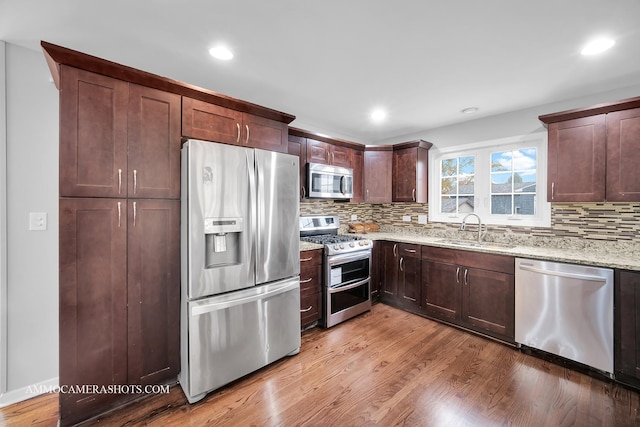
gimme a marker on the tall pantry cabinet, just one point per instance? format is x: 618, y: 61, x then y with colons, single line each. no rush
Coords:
x: 119, y: 238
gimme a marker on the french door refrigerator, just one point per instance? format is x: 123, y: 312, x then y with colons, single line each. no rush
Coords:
x: 240, y: 291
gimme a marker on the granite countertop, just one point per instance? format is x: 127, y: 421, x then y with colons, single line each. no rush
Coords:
x: 575, y: 251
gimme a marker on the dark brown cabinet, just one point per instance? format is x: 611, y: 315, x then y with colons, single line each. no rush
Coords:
x: 357, y: 163
x: 593, y: 153
x: 328, y: 154
x: 401, y: 274
x: 310, y: 286
x: 576, y: 165
x: 627, y: 327
x: 623, y: 156
x: 377, y: 174
x: 117, y: 139
x: 298, y: 147
x: 410, y: 172
x: 470, y: 289
x: 389, y: 271
x: 210, y: 122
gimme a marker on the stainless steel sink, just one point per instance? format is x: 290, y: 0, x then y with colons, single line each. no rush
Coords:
x: 474, y: 244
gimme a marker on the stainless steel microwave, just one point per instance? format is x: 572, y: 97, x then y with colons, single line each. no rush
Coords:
x: 329, y: 182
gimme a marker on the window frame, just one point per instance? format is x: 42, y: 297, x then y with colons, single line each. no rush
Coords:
x: 482, y: 180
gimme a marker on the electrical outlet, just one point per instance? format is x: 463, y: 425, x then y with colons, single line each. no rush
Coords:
x: 422, y: 219
x: 354, y: 217
x: 406, y: 218
x: 37, y: 221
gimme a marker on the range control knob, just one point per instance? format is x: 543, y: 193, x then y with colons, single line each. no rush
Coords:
x: 353, y: 245
x: 336, y: 247
x: 341, y: 246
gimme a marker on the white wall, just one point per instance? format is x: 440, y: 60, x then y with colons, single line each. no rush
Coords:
x: 3, y: 224
x: 32, y: 256
x: 521, y: 122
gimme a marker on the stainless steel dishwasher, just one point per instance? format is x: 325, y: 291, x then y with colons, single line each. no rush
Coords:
x: 566, y: 310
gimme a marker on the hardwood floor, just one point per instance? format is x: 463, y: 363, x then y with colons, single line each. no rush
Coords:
x: 385, y: 368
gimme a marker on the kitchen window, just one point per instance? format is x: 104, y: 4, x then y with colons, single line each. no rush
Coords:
x: 503, y: 181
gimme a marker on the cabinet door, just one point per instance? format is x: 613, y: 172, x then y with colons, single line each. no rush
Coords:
x: 627, y: 326
x: 357, y: 163
x: 376, y: 266
x: 93, y: 302
x: 576, y: 166
x: 93, y: 134
x: 298, y: 147
x: 341, y: 156
x: 267, y: 134
x: 317, y: 152
x: 153, y: 290
x: 310, y: 293
x: 489, y: 301
x: 410, y: 175
x: 210, y: 122
x: 441, y: 296
x: 389, y: 271
x: 154, y: 143
x: 409, y: 282
x: 377, y: 176
x: 623, y: 156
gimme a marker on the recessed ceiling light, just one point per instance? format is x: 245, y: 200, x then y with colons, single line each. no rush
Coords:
x: 469, y: 110
x: 597, y: 46
x: 221, y: 52
x: 378, y: 115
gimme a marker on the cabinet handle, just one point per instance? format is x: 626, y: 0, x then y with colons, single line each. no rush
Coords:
x: 306, y: 259
x: 247, y: 128
x: 135, y: 181
x: 134, y: 213
x: 413, y: 194
x: 333, y: 158
x: 238, y: 137
x: 119, y: 213
x: 466, y: 276
x: 401, y: 262
x: 411, y: 251
x: 457, y: 274
x: 306, y: 280
x: 306, y: 309
x: 304, y: 192
x: 367, y: 194
x: 395, y: 250
x: 326, y: 156
x: 553, y: 186
x: 119, y: 180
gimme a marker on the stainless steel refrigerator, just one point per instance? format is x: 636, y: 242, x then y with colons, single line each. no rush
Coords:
x: 240, y: 292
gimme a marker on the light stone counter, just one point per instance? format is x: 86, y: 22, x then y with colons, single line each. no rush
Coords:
x: 306, y: 246
x: 626, y: 257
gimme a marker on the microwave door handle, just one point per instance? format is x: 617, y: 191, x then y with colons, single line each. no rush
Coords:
x: 342, y: 184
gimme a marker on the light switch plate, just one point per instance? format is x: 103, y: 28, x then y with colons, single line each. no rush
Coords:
x: 422, y: 219
x: 354, y: 217
x: 37, y: 221
x: 406, y: 218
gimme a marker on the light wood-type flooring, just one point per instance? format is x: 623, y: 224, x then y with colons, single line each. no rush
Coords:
x: 384, y: 368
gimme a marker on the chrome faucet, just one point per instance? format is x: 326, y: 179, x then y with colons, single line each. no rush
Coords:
x: 481, y: 232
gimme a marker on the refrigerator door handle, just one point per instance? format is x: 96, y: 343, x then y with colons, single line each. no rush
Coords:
x: 253, y: 214
x: 215, y: 306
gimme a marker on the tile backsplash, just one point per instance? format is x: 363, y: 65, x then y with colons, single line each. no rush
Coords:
x: 591, y: 222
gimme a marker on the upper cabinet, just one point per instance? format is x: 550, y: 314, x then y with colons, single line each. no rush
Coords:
x: 594, y: 153
x: 328, y: 154
x: 377, y: 174
x: 117, y: 139
x: 410, y: 172
x: 202, y: 120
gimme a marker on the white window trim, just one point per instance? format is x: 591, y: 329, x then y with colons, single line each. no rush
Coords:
x: 482, y: 150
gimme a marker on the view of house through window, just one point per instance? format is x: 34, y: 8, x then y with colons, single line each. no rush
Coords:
x: 501, y: 180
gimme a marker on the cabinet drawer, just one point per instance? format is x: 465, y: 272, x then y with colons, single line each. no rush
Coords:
x: 311, y: 278
x: 311, y: 257
x: 310, y: 307
x: 409, y: 250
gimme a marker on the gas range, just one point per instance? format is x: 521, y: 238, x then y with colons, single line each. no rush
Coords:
x: 323, y: 230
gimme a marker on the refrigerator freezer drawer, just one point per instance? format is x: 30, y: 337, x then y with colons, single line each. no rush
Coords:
x: 235, y: 334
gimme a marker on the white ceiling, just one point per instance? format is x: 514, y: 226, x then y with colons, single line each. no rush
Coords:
x: 330, y: 62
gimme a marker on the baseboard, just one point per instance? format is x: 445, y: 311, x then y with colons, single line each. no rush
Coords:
x: 24, y: 393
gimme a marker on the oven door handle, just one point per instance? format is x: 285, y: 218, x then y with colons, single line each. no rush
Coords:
x: 349, y: 257
x: 351, y: 286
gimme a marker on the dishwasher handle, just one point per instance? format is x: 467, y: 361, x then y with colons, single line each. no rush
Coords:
x: 530, y: 267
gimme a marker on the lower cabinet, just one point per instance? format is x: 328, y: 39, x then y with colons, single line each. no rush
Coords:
x: 471, y: 289
x: 400, y: 274
x: 310, y: 287
x: 627, y: 327
x: 119, y: 299
x: 376, y: 271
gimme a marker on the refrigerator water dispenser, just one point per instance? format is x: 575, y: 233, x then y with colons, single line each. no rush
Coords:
x: 222, y: 241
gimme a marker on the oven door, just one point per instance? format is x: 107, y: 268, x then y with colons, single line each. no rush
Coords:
x: 347, y: 286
